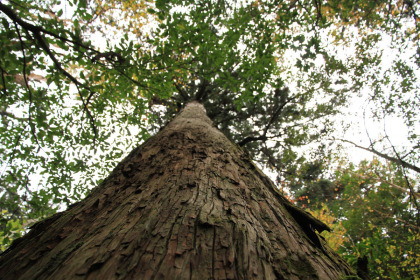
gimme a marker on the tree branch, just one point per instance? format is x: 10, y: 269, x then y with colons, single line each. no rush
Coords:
x: 252, y: 139
x: 378, y: 179
x: 202, y: 90
x: 3, y: 74
x: 404, y: 173
x: 31, y: 125
x: 183, y: 94
x: 282, y: 94
x: 36, y: 31
x: 283, y: 102
x: 385, y: 156
x: 11, y: 115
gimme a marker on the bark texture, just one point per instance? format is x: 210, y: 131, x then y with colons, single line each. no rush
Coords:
x: 187, y: 204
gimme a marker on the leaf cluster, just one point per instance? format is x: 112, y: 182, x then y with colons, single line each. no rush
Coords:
x: 371, y: 205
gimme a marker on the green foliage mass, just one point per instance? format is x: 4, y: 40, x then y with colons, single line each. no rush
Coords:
x: 84, y: 82
x: 378, y: 216
x: 381, y: 220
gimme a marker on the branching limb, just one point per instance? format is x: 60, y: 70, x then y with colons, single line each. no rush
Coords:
x: 37, y: 29
x: 379, y: 179
x: 12, y: 116
x: 402, y: 221
x: 183, y: 94
x: 318, y: 11
x: 252, y: 139
x: 283, y: 102
x: 36, y: 32
x: 410, y: 186
x: 397, y: 160
x: 274, y: 117
x: 202, y: 90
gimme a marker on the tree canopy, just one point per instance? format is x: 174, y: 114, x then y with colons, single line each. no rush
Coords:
x: 83, y: 82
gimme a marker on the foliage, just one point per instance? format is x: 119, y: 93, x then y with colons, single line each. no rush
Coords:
x: 382, y: 221
x: 57, y: 113
x: 11, y: 229
x: 374, y: 216
x: 83, y: 82
x: 336, y: 238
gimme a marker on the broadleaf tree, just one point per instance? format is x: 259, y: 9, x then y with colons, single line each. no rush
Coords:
x: 371, y: 207
x: 82, y: 82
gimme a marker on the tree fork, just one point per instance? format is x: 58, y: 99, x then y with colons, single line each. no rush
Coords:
x: 186, y: 204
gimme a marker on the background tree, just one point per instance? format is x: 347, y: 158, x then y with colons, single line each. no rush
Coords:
x: 372, y: 210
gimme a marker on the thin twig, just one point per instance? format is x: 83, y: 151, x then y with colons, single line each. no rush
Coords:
x: 364, y: 123
x: 378, y: 179
x: 36, y: 32
x: 31, y: 125
x: 397, y: 160
x: 412, y: 196
x: 37, y: 29
x: 13, y: 152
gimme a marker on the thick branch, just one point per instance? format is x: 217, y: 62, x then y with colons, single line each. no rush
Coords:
x: 272, y: 120
x: 183, y: 94
x: 252, y: 139
x: 3, y: 74
x: 276, y: 114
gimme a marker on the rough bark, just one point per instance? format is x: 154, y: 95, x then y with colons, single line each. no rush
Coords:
x: 187, y: 204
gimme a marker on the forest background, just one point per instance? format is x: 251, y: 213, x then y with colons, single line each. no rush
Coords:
x: 308, y: 88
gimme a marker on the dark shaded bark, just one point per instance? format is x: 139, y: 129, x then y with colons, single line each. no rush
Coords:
x: 362, y: 268
x: 187, y: 204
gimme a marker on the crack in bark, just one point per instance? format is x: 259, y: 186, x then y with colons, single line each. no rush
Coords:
x: 168, y: 239
x: 213, y: 252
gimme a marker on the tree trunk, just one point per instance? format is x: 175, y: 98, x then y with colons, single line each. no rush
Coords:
x: 186, y: 204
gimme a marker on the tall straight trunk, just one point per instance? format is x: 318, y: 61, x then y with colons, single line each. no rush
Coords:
x: 186, y: 204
